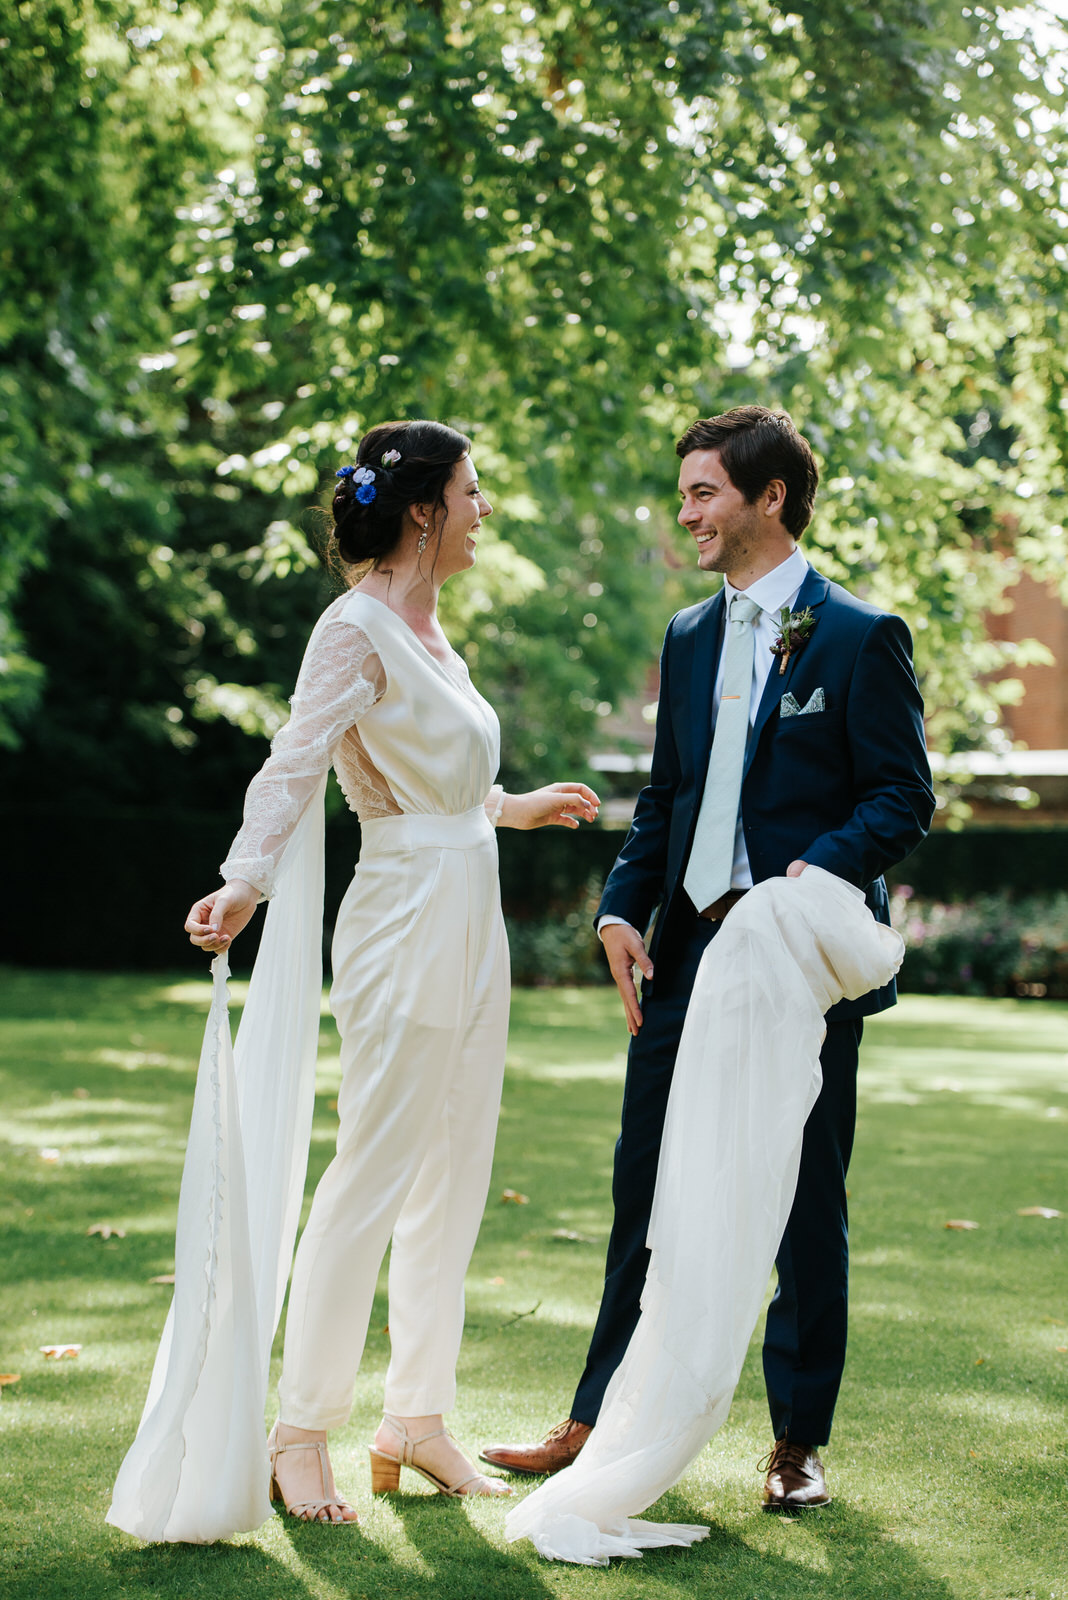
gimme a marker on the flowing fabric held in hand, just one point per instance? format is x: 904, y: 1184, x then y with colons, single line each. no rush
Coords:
x: 197, y: 1470
x: 746, y: 1077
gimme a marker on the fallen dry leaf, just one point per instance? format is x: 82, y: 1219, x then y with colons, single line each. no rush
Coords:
x: 569, y: 1236
x: 48, y: 1154
x: 331, y: 1105
x: 523, y: 1255
x: 8, y: 1378
x: 496, y: 1282
x: 1037, y: 1211
x: 80, y: 1094
x: 515, y: 1197
x: 57, y: 1352
x: 164, y: 1277
x: 105, y: 1230
x: 959, y: 1222
x: 1062, y: 1349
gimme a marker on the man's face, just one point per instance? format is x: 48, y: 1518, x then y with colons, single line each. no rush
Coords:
x: 728, y: 531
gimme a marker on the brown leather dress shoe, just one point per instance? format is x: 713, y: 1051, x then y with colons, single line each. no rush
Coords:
x: 555, y: 1452
x: 795, y: 1477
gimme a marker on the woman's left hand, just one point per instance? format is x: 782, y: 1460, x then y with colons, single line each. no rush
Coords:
x: 557, y: 805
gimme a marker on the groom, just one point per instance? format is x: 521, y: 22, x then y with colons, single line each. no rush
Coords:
x: 789, y: 733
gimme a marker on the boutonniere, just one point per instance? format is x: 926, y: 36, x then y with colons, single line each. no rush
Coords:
x: 795, y: 628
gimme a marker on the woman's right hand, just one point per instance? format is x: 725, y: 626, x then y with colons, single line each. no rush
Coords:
x: 214, y: 922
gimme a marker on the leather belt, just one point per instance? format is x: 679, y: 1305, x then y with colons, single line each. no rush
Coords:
x: 719, y: 908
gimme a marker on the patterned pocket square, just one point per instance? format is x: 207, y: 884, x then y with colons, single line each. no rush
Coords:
x: 789, y: 707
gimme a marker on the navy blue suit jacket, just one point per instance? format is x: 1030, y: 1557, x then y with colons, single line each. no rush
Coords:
x: 847, y: 788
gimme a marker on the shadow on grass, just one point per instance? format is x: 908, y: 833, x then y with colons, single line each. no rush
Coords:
x: 835, y: 1553
x: 224, y: 1571
x: 441, y: 1554
x: 454, y: 1549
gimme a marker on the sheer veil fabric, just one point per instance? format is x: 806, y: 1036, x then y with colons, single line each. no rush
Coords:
x: 746, y: 1077
x: 197, y: 1469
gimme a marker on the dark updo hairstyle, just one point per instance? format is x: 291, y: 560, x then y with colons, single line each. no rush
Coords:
x: 366, y: 531
x: 756, y: 445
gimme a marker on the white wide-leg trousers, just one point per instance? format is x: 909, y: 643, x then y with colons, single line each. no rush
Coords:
x: 420, y: 994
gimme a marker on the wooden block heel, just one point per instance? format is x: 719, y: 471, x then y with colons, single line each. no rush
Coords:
x: 385, y: 1473
x: 386, y: 1469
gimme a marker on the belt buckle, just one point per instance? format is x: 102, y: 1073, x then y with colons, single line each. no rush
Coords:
x: 726, y: 902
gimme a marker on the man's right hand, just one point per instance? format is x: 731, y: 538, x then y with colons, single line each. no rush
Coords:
x: 625, y: 949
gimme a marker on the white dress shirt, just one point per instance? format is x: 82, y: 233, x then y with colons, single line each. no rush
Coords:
x: 777, y: 588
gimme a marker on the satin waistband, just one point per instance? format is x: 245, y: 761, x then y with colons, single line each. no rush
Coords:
x: 381, y: 835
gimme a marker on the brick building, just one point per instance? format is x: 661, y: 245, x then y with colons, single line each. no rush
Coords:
x: 1040, y: 721
x: 1039, y: 724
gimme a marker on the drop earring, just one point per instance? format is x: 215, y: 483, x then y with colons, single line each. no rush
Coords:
x: 422, y: 539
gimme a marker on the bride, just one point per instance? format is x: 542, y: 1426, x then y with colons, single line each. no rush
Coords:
x: 420, y: 994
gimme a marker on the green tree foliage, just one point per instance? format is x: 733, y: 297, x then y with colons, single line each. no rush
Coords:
x: 568, y: 229
x: 111, y: 128
x: 572, y: 228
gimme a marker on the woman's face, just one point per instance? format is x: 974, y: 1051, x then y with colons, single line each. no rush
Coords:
x: 465, y: 507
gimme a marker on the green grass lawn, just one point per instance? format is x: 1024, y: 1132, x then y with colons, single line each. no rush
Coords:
x: 949, y: 1456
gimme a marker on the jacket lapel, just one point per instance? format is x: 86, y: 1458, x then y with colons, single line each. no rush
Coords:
x: 813, y: 592
x: 708, y: 642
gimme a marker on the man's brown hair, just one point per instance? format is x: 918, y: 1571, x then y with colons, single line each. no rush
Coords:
x: 756, y: 445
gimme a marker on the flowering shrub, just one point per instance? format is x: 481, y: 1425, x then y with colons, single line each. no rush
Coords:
x: 993, y: 944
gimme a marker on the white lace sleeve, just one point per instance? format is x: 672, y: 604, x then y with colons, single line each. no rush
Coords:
x: 340, y: 678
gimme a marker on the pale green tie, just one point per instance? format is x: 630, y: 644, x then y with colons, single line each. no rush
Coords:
x: 708, y: 872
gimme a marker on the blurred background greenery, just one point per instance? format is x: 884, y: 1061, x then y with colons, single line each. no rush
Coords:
x: 233, y: 235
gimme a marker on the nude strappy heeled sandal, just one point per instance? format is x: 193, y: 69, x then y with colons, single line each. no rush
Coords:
x: 385, y: 1469
x: 307, y: 1510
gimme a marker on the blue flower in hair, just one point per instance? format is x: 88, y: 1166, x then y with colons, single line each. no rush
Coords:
x: 364, y: 479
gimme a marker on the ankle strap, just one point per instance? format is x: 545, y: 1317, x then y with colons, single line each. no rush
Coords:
x: 299, y: 1444
x: 407, y: 1443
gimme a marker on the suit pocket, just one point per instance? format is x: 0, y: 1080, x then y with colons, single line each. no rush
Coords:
x: 809, y: 723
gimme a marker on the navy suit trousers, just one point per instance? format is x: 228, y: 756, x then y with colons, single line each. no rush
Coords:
x: 805, y: 1334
